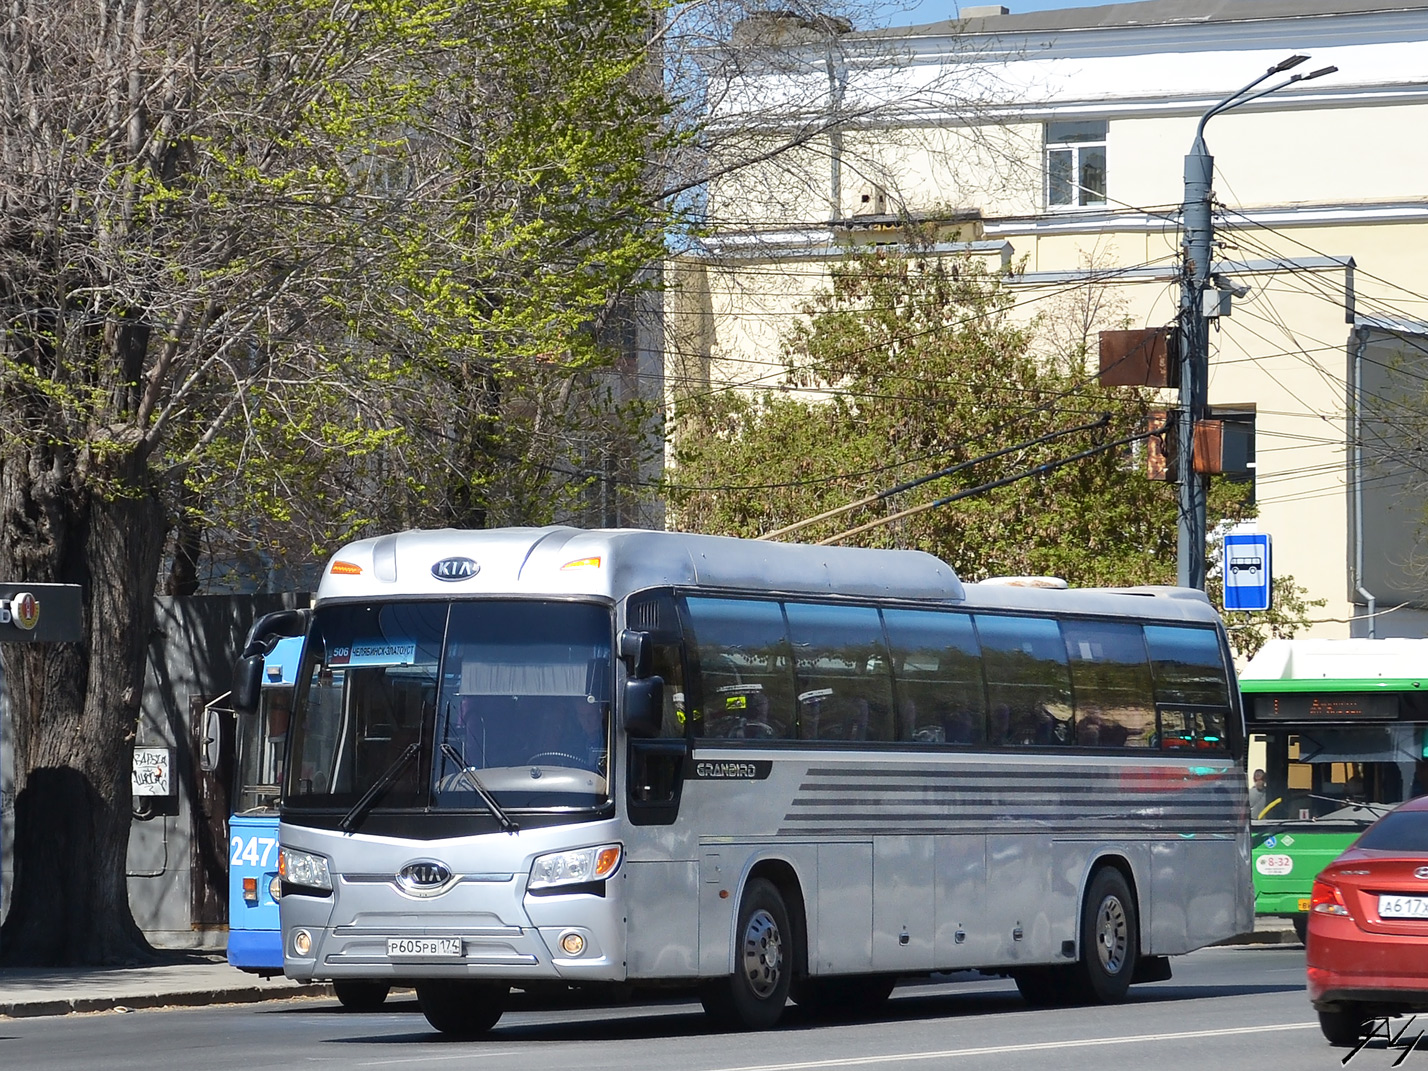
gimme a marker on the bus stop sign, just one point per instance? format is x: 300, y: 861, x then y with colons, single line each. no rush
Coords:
x: 1247, y: 571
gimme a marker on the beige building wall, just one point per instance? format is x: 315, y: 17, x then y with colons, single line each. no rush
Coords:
x: 1325, y: 220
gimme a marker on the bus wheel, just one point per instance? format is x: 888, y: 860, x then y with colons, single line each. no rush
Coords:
x: 462, y: 1009
x: 1341, y: 1028
x: 1109, y: 939
x: 844, y: 998
x: 361, y: 996
x: 752, y: 998
x: 1301, y: 928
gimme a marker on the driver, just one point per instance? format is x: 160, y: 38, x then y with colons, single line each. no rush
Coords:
x: 582, y: 737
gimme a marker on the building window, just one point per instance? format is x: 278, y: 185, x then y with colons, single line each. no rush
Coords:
x: 1075, y: 164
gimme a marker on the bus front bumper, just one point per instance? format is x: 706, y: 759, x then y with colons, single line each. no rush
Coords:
x: 479, y: 930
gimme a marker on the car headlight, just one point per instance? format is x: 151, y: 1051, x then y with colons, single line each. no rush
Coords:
x: 304, y: 869
x: 575, y: 868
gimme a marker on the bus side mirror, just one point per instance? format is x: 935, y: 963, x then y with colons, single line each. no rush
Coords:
x: 644, y: 707
x: 247, y: 683
x: 210, y: 747
x: 634, y: 648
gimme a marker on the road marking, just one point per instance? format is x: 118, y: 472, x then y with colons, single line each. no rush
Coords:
x: 464, y: 1054
x: 992, y: 1050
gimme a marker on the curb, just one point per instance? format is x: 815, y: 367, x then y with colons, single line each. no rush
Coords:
x: 1262, y: 937
x: 32, y: 1009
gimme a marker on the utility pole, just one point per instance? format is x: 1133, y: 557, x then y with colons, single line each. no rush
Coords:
x: 1197, y: 243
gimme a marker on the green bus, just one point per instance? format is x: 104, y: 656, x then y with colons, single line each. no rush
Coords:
x: 1340, y: 730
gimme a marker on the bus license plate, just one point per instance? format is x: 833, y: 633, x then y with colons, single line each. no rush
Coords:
x: 423, y: 946
x: 1403, y: 907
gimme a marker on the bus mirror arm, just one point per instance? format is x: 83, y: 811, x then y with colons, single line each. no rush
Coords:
x: 262, y: 637
x: 644, y: 707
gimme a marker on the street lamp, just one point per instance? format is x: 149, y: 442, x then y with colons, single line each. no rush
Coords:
x: 1194, y: 328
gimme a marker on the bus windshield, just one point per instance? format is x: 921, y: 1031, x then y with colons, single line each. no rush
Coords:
x: 261, y: 737
x: 510, y: 697
x: 1340, y: 772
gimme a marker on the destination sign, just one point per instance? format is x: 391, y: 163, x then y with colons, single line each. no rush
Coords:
x: 1324, y: 706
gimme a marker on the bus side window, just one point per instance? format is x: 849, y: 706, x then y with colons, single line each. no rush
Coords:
x: 656, y: 614
x: 938, y: 674
x: 1111, y: 676
x: 1189, y: 671
x: 1028, y: 683
x: 844, y: 688
x: 667, y: 663
x: 745, y: 672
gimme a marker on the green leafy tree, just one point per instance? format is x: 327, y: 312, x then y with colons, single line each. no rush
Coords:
x: 921, y: 368
x: 911, y: 364
x: 272, y: 271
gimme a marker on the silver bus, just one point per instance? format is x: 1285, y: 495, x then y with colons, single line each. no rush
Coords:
x: 761, y: 771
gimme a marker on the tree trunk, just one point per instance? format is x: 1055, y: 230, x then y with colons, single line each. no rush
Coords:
x: 70, y: 901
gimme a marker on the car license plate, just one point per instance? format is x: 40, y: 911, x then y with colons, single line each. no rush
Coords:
x: 423, y: 946
x: 1403, y: 907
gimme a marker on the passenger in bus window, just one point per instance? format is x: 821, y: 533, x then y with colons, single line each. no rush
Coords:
x: 1420, y: 779
x: 1001, y: 733
x: 1258, y: 794
x: 961, y: 728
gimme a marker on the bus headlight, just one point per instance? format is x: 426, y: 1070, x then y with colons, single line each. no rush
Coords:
x: 304, y: 869
x: 275, y: 889
x: 575, y: 868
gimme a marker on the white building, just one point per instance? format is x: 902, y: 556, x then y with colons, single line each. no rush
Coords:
x: 1058, y: 139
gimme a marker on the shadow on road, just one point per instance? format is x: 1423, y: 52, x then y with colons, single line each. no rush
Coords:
x: 650, y: 1017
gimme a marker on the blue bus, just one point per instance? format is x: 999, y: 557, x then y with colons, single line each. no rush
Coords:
x: 254, y: 935
x: 254, y: 938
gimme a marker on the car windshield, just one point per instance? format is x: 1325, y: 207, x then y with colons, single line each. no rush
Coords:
x: 511, y: 696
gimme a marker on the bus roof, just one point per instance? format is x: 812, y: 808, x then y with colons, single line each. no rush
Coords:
x: 612, y: 563
x: 1358, y: 665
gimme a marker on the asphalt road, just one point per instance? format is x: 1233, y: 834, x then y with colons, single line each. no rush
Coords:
x: 1238, y: 1007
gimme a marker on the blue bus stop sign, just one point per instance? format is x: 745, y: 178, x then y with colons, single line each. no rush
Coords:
x: 1247, y: 571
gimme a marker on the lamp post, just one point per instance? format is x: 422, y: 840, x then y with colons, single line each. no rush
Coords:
x: 1194, y: 328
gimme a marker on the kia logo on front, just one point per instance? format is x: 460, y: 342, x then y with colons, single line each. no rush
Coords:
x: 424, y: 877
x: 455, y: 569
x: 1421, y: 872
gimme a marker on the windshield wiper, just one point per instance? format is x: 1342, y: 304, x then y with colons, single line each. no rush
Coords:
x: 379, y: 787
x: 1378, y: 810
x: 489, y: 800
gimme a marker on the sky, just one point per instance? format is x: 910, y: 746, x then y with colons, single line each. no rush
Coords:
x: 911, y: 13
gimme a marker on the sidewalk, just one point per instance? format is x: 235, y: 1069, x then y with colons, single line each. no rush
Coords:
x: 184, y: 980
x: 194, y: 979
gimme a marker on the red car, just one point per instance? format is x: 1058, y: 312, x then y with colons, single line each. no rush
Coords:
x: 1367, y: 946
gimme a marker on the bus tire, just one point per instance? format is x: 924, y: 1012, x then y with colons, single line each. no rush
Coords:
x: 1341, y: 1027
x: 844, y: 998
x: 753, y: 997
x: 1301, y: 928
x: 361, y: 996
x: 1110, y: 939
x: 462, y: 1009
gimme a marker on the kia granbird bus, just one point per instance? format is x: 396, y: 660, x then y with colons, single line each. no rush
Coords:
x: 756, y: 770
